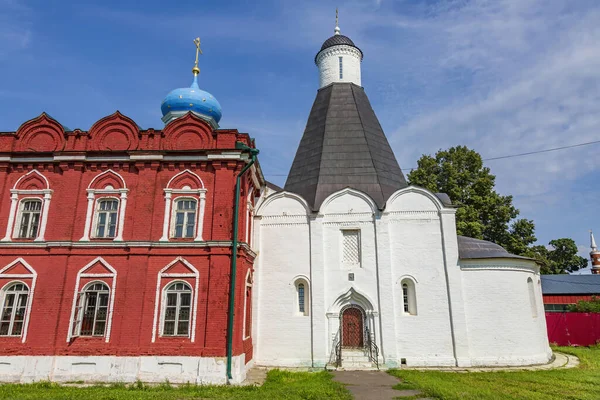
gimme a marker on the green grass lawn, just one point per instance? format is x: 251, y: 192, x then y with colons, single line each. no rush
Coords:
x: 279, y: 385
x: 581, y: 383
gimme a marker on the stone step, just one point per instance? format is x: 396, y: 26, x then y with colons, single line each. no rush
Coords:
x: 347, y: 365
x: 355, y: 360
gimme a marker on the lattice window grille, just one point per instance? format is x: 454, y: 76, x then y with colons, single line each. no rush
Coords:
x: 351, y: 247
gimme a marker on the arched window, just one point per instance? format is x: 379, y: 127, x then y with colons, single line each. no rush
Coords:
x: 409, y: 297
x: 177, y: 309
x: 29, y: 204
x: 248, y: 307
x: 14, y: 306
x: 29, y: 218
x: 302, y: 298
x: 92, y: 310
x: 532, y: 302
x: 106, y: 218
x: 184, y: 218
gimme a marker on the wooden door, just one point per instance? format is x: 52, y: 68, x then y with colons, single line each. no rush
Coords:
x: 352, y: 328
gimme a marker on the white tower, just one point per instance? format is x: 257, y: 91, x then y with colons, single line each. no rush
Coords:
x: 594, y: 255
x: 339, y: 59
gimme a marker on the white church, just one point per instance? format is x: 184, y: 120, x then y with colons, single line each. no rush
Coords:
x: 356, y: 268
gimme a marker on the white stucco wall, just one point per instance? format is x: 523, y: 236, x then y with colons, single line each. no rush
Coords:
x: 468, y: 312
x: 502, y: 328
x: 329, y: 65
x: 347, y: 210
x: 154, y: 369
x: 417, y: 254
x: 282, y: 334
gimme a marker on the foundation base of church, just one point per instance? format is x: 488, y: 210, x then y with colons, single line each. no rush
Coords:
x: 151, y: 369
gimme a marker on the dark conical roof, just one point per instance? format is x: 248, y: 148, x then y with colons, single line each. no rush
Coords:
x: 344, y: 146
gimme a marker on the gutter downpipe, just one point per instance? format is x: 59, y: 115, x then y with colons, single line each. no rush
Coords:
x: 234, y: 252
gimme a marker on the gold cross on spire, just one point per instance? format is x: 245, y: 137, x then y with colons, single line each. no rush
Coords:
x: 196, y: 70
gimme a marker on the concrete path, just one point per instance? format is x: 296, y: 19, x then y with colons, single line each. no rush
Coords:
x: 372, y: 385
x: 560, y: 361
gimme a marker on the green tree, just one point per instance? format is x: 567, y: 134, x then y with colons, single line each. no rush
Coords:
x: 482, y: 213
x: 591, y: 306
x: 562, y: 258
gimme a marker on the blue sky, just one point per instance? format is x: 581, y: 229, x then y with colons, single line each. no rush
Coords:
x: 501, y: 76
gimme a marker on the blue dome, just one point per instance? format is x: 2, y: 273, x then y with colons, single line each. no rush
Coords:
x: 180, y: 101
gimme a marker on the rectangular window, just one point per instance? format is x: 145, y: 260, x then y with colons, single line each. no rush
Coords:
x: 555, y: 307
x: 177, y: 310
x: 248, y: 304
x: 30, y: 218
x: 341, y: 68
x: 106, y: 222
x: 185, y: 218
x: 14, y: 311
x: 351, y: 247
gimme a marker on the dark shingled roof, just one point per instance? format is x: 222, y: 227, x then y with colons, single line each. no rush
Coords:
x: 444, y: 198
x: 571, y: 284
x: 273, y: 186
x: 338, y: 40
x: 344, y: 146
x: 469, y: 248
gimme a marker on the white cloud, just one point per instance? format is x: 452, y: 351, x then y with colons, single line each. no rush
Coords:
x: 534, y: 84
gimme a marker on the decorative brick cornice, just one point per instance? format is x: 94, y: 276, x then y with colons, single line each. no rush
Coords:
x: 501, y: 267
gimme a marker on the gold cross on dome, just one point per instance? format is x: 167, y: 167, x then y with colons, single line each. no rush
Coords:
x: 196, y: 70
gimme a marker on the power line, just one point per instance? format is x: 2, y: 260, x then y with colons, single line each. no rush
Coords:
x: 542, y: 151
x: 484, y: 159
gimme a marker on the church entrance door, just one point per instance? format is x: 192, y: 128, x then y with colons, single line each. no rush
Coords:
x: 352, y: 327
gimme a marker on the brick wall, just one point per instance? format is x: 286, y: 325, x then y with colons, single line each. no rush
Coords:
x: 70, y: 161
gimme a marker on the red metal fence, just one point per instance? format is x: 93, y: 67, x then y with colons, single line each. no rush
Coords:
x: 570, y: 328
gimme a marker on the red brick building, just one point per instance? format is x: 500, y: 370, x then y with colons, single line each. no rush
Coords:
x: 116, y: 249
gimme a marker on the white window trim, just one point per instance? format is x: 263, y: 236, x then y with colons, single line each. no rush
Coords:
x: 170, y: 199
x: 92, y: 195
x: 98, y: 276
x: 19, y: 219
x: 15, y: 196
x: 412, y: 296
x: 197, y: 230
x: 296, y: 281
x: 95, y: 216
x: 159, y: 300
x: 249, y: 216
x: 3, y: 293
x: 248, y: 283
x: 15, y: 277
x: 163, y: 310
x: 82, y: 299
